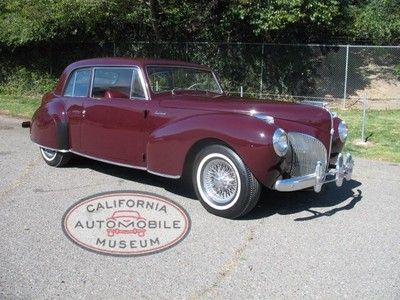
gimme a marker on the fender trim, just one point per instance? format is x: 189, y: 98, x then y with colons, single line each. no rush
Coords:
x: 112, y: 162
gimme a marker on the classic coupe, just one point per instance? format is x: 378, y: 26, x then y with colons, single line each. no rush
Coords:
x: 173, y: 119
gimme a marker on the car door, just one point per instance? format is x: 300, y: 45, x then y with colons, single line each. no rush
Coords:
x: 113, y: 126
x: 75, y: 92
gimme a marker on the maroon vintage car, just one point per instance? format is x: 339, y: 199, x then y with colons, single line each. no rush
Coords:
x: 172, y: 118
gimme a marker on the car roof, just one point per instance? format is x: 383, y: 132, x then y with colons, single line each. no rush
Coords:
x: 124, y: 61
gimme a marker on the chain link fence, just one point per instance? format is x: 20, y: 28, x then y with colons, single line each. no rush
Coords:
x: 333, y: 73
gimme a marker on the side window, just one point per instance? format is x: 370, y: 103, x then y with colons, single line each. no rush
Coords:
x: 112, y: 83
x: 78, y: 83
x: 137, y: 86
x: 160, y: 79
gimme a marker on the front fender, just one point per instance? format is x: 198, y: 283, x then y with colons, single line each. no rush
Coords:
x: 49, y: 126
x: 249, y: 137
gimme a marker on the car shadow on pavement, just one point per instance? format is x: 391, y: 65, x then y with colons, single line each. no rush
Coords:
x: 271, y: 202
x: 175, y: 186
x: 316, y: 204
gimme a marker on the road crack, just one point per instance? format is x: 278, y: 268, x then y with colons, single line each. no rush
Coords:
x: 229, y: 266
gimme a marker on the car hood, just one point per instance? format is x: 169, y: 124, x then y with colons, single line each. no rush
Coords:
x: 306, y: 114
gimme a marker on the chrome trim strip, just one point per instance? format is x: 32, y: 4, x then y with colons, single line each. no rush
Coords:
x: 127, y: 166
x: 108, y: 161
x: 332, y: 131
x: 54, y: 149
x: 91, y: 83
x: 164, y: 175
x: 131, y: 87
x: 144, y: 84
x: 217, y: 81
x: 112, y: 163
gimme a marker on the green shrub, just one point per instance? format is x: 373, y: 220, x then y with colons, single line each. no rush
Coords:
x: 23, y: 81
x: 397, y: 70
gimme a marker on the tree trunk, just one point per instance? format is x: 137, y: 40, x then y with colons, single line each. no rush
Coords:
x: 155, y: 20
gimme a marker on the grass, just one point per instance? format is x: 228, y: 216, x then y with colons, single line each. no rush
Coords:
x: 19, y: 106
x: 382, y: 133
x: 382, y: 127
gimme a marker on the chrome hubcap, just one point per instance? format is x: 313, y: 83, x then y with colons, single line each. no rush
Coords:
x: 219, y: 181
x: 48, y: 154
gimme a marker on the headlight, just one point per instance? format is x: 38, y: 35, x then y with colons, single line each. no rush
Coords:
x: 343, y: 131
x: 280, y: 142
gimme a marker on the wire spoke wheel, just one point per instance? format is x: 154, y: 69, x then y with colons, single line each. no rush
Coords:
x: 223, y: 183
x: 218, y: 181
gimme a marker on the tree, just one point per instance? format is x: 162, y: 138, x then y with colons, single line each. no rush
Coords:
x: 378, y: 20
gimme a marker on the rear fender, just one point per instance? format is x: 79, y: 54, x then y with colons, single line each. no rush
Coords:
x: 49, y: 126
x: 250, y: 138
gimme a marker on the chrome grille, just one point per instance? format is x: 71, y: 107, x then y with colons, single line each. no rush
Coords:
x: 306, y: 151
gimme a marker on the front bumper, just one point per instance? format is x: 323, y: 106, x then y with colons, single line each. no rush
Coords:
x: 343, y: 170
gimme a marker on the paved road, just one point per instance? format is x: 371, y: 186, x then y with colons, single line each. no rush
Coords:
x: 340, y: 243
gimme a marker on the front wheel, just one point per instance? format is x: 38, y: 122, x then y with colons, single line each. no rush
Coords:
x: 223, y: 183
x: 54, y: 158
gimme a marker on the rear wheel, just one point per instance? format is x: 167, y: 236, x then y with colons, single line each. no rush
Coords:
x: 224, y: 185
x: 55, y: 158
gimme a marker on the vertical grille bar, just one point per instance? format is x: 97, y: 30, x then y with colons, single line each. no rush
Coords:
x: 306, y: 152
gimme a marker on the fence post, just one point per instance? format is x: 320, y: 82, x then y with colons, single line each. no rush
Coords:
x: 262, y: 69
x: 365, y: 107
x: 241, y: 91
x: 345, y: 77
x: 187, y: 51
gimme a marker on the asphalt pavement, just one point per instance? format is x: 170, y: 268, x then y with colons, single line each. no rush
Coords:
x: 341, y: 243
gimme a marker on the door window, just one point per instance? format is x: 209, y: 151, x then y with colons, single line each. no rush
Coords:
x: 117, y: 83
x: 78, y: 84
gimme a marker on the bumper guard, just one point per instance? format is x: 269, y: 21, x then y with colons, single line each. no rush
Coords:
x: 343, y: 170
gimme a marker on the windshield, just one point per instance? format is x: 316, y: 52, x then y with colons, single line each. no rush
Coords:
x: 171, y: 78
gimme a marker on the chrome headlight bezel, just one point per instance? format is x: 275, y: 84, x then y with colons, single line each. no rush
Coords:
x: 343, y: 131
x: 280, y: 142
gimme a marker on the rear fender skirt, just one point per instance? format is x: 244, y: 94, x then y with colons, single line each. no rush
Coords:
x: 249, y: 137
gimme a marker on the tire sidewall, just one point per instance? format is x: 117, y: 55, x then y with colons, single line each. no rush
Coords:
x: 241, y: 203
x: 58, y: 160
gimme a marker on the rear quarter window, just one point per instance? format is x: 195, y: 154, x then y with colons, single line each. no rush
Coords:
x: 78, y: 83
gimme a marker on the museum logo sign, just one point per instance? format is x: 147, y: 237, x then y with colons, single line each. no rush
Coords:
x: 126, y: 223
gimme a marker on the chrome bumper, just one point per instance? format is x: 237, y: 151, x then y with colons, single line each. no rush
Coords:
x: 343, y: 170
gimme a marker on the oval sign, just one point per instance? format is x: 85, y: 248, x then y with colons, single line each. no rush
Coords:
x: 126, y: 223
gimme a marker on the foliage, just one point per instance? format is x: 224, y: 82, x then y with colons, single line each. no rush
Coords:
x: 22, y: 81
x: 41, y: 37
x: 397, y: 70
x: 378, y: 20
x: 306, y: 20
x: 25, y: 21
